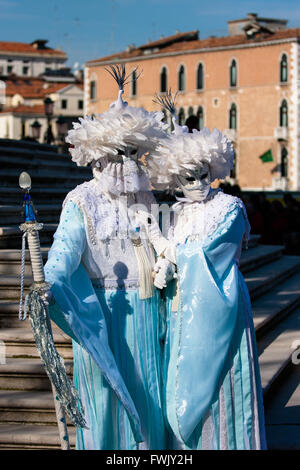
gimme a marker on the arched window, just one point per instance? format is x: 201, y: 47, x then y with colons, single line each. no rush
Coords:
x: 181, y: 117
x: 163, y: 80
x: 283, y: 118
x: 233, y: 171
x: 284, y: 68
x: 200, y: 80
x: 93, y: 90
x: 200, y: 117
x: 181, y: 78
x: 232, y: 117
x: 233, y: 73
x: 284, y: 162
x: 133, y: 83
x: 190, y: 111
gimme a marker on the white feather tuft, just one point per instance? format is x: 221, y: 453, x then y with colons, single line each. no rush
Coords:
x: 96, y: 137
x: 181, y: 152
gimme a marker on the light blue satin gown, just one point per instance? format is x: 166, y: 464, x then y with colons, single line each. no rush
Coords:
x: 213, y: 395
x: 116, y: 336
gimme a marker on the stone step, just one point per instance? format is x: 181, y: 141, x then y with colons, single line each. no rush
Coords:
x: 21, y: 145
x: 282, y: 413
x: 264, y: 278
x: 17, y: 406
x: 41, y: 193
x: 11, y: 236
x: 27, y: 407
x: 14, y: 255
x: 31, y: 436
x: 19, y: 342
x: 275, y: 351
x: 14, y: 214
x: 10, y: 261
x: 258, y: 256
x: 28, y: 161
x: 26, y: 374
x: 253, y: 240
x: 9, y: 315
x: 45, y: 174
x: 275, y: 305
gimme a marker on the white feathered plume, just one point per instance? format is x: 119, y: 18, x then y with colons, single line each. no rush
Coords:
x: 122, y: 125
x: 179, y: 153
x: 183, y: 151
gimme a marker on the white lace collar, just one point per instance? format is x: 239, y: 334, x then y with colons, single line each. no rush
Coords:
x: 199, y: 220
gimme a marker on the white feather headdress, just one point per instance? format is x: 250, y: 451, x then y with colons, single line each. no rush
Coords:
x: 183, y: 151
x: 122, y: 125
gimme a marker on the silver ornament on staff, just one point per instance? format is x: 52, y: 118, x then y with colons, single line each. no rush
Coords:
x: 66, y: 398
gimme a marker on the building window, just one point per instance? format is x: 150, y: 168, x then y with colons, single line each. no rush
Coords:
x: 93, y: 90
x: 64, y: 104
x: 181, y: 78
x: 25, y: 70
x: 190, y: 111
x: 233, y: 170
x: 200, y: 117
x: 22, y: 129
x: 232, y: 116
x: 80, y: 104
x: 284, y: 114
x: 9, y: 69
x: 181, y: 117
x: 284, y: 162
x: 233, y: 73
x: 200, y: 81
x: 133, y: 83
x: 284, y: 68
x: 163, y: 80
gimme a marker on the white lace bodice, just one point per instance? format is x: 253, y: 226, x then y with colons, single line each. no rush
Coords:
x: 199, y: 220
x: 109, y: 256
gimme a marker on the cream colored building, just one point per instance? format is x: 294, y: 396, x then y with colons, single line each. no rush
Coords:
x: 29, y: 59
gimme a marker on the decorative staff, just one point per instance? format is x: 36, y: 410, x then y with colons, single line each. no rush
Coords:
x: 66, y: 397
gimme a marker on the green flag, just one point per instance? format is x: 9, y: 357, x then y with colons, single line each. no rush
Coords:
x: 267, y: 156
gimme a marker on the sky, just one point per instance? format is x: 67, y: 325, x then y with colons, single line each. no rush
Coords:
x: 89, y: 29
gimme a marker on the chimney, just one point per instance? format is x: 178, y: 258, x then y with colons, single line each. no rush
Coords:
x: 39, y: 43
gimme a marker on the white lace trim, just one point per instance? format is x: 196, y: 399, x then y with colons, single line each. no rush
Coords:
x: 200, y: 220
x: 106, y: 217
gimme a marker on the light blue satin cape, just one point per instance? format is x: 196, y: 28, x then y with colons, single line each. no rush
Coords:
x: 77, y: 310
x: 209, y: 322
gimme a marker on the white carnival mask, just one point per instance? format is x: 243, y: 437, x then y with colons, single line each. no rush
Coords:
x: 195, y: 184
x: 122, y: 173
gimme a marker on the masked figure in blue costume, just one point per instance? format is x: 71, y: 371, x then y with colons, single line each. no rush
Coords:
x: 101, y: 280
x: 213, y: 396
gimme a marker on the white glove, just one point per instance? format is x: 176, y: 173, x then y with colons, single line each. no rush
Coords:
x: 165, y: 272
x: 151, y: 227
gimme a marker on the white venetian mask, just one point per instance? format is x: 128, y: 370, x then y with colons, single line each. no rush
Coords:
x: 195, y: 185
x: 122, y: 174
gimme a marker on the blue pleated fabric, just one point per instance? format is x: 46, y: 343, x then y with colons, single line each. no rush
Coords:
x: 117, y: 351
x: 133, y: 329
x: 213, y: 396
